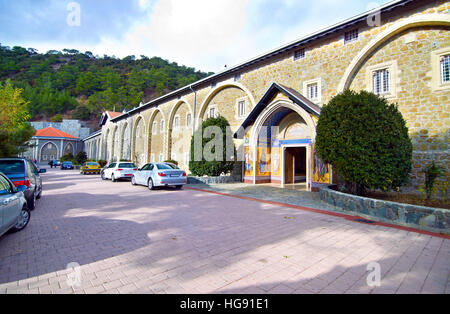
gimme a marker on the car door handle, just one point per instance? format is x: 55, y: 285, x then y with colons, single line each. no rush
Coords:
x: 7, y: 201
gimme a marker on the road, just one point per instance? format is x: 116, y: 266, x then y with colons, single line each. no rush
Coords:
x: 128, y: 239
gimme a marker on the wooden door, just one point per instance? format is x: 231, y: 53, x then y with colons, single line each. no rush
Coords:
x: 289, y: 162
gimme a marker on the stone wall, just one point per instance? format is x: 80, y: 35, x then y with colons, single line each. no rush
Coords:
x: 72, y: 127
x: 420, y: 217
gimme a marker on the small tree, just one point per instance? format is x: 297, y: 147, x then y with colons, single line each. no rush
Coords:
x: 66, y: 157
x: 432, y: 173
x: 366, y: 140
x: 15, y: 131
x: 222, y: 163
x: 57, y: 118
x: 81, y: 158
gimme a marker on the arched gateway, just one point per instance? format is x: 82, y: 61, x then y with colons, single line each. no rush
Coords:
x: 279, y: 139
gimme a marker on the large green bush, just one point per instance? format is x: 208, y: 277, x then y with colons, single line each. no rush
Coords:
x: 366, y: 140
x: 223, y: 164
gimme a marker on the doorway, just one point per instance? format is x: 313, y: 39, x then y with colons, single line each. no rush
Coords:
x: 295, y: 170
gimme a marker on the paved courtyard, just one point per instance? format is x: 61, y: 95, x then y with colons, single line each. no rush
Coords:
x: 131, y: 240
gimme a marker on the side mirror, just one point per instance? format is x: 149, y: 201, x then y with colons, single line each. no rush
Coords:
x: 42, y: 170
x: 21, y: 188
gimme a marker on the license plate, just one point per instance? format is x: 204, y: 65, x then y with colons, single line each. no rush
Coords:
x: 174, y: 175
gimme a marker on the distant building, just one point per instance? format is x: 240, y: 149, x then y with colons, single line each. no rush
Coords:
x: 53, y: 140
x: 93, y: 144
x: 72, y: 127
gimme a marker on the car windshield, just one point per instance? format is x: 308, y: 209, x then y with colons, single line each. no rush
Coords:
x: 67, y: 163
x: 163, y: 166
x: 92, y: 164
x: 127, y: 165
x: 9, y: 167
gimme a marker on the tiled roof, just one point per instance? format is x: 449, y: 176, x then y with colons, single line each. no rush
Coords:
x: 113, y: 114
x: 52, y: 132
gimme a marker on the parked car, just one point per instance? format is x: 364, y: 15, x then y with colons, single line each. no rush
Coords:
x: 159, y: 174
x: 67, y: 165
x: 119, y: 170
x: 54, y: 163
x: 91, y: 167
x: 23, y: 172
x: 14, y: 212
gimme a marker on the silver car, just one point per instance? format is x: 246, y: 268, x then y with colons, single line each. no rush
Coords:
x: 119, y: 170
x: 159, y: 174
x: 14, y: 213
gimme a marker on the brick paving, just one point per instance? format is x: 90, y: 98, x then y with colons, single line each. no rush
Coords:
x: 131, y: 240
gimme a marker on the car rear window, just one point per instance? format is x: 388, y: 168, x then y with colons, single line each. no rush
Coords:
x: 92, y: 164
x: 162, y: 166
x: 127, y: 165
x: 9, y: 167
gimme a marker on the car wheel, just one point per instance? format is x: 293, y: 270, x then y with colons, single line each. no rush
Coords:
x: 39, y: 195
x: 178, y: 187
x: 133, y: 180
x: 113, y: 179
x: 32, y: 202
x: 24, y: 219
x: 103, y: 176
x: 150, y: 184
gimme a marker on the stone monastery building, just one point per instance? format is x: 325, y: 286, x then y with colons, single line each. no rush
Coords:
x: 400, y: 51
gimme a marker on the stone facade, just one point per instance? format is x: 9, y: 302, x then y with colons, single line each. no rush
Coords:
x: 405, y: 43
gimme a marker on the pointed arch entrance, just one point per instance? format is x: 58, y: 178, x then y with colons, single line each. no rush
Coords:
x: 279, y: 136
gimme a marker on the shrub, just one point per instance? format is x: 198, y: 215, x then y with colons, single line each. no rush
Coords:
x: 66, y: 157
x: 216, y: 166
x: 57, y: 118
x: 432, y: 173
x: 80, y: 158
x: 366, y: 140
x: 102, y: 163
x: 172, y: 162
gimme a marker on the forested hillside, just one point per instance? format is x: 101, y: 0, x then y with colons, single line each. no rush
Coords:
x: 81, y: 85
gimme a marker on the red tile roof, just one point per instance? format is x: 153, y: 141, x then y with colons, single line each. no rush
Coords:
x: 113, y: 114
x: 52, y: 132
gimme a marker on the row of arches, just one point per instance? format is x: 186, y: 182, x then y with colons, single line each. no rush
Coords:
x: 164, y: 136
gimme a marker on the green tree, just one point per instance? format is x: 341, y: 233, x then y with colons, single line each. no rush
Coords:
x: 223, y: 160
x: 366, y: 140
x: 15, y: 132
x: 80, y: 158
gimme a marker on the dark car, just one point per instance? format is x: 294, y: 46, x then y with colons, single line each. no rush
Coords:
x: 23, y: 172
x: 14, y: 212
x: 67, y: 165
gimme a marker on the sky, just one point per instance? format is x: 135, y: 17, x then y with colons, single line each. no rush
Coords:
x: 205, y: 34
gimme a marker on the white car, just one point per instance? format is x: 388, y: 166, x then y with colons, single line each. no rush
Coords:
x: 14, y: 213
x: 119, y: 170
x: 159, y: 174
